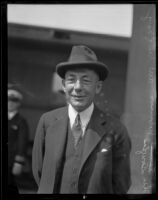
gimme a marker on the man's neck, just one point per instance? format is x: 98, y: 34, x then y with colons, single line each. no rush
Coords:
x: 80, y: 112
x: 85, y: 115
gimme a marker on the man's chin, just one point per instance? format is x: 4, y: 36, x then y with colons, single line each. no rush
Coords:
x: 78, y: 107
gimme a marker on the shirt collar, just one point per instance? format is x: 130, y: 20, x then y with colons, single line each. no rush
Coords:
x: 84, y: 115
x: 11, y: 114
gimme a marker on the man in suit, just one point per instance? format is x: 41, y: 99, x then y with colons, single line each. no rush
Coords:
x: 18, y: 133
x: 79, y: 149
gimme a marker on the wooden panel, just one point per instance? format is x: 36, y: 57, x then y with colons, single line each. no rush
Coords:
x: 141, y: 97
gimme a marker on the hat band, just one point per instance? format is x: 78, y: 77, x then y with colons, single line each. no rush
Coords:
x: 13, y: 99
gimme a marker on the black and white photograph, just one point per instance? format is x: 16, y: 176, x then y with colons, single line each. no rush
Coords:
x: 81, y: 98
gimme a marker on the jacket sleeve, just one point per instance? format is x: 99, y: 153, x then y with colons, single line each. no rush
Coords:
x: 38, y: 150
x: 121, y: 176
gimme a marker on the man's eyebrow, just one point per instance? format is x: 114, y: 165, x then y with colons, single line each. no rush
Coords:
x: 85, y: 76
x: 71, y: 74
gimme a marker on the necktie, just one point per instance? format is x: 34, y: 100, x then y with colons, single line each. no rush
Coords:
x: 77, y: 129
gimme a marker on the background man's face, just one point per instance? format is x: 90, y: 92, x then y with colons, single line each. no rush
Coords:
x: 80, y: 87
x: 13, y: 106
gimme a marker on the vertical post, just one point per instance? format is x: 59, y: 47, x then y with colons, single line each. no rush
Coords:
x: 141, y: 96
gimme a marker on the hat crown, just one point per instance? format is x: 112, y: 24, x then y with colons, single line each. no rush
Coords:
x: 82, y: 54
x: 12, y: 93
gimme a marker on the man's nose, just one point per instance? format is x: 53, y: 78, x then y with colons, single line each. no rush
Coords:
x: 78, y: 85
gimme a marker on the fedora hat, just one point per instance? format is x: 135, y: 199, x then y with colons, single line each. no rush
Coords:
x: 14, y: 92
x: 82, y: 57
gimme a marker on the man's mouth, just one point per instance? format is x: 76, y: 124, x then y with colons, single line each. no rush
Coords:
x: 78, y: 96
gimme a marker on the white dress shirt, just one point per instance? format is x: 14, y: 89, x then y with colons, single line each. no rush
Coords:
x: 84, y: 116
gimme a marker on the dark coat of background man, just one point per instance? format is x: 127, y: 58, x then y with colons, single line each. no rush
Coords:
x: 18, y: 135
x: 100, y: 161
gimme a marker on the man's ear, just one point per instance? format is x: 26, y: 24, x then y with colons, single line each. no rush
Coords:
x: 63, y: 85
x: 99, y: 87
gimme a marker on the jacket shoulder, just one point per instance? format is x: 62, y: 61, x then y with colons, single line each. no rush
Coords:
x: 119, y: 130
x: 52, y: 115
x: 57, y: 112
x: 114, y: 124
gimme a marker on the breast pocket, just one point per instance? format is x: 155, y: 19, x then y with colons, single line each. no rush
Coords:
x: 104, y: 159
x: 105, y: 153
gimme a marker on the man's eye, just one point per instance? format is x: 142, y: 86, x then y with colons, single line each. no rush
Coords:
x: 70, y: 80
x: 86, y: 81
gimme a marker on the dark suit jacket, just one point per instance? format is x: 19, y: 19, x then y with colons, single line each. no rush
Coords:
x: 18, y: 134
x: 105, y: 165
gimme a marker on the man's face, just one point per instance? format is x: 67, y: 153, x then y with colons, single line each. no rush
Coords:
x: 13, y: 105
x: 80, y: 87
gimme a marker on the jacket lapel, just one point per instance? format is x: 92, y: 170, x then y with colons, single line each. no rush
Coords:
x: 57, y: 141
x: 94, y: 134
x: 59, y: 130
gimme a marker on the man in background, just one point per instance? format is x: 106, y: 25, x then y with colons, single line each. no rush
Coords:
x: 79, y: 149
x: 18, y: 133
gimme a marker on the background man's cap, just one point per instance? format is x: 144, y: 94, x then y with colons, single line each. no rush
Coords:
x: 14, y: 92
x: 82, y: 57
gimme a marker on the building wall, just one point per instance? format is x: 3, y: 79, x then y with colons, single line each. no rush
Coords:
x: 139, y: 114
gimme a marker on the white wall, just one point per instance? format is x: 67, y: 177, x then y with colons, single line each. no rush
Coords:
x: 111, y: 19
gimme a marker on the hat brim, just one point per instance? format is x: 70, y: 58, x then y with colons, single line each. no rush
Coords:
x: 100, y: 68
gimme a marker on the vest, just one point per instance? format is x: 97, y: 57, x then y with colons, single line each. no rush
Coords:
x: 69, y: 180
